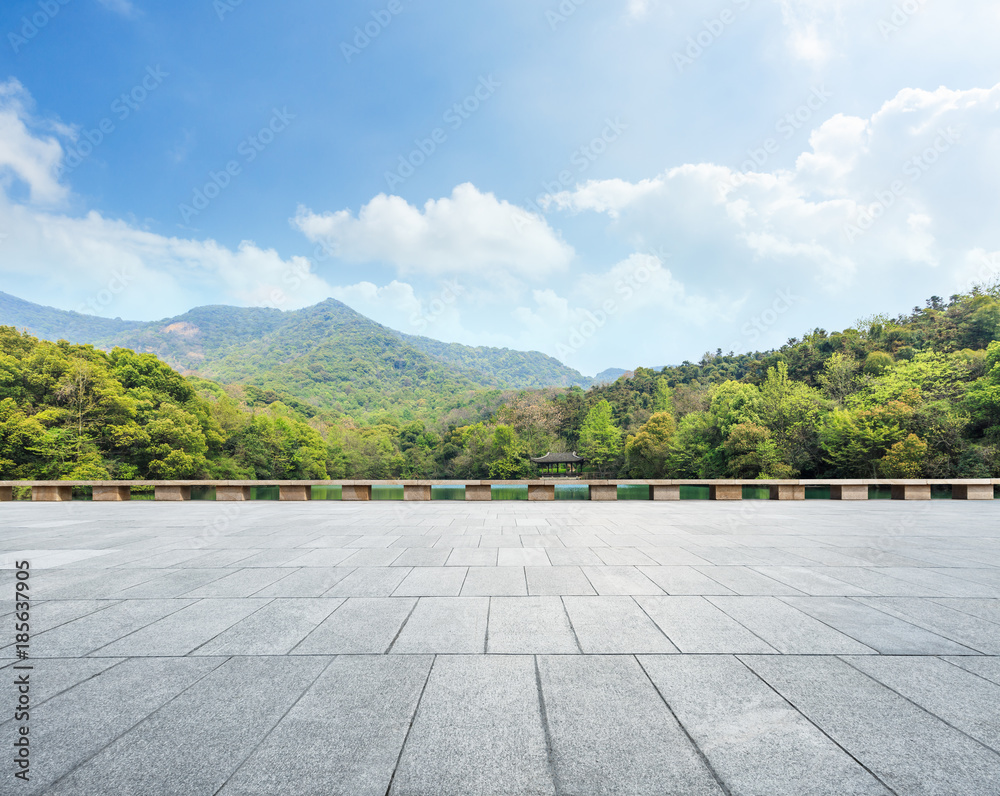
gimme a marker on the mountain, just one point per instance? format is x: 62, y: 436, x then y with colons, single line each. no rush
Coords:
x: 521, y: 369
x: 327, y: 355
x: 609, y: 376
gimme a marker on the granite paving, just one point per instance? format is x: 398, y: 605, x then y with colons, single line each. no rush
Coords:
x: 811, y: 648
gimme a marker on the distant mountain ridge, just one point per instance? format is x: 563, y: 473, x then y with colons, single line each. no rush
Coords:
x: 328, y: 354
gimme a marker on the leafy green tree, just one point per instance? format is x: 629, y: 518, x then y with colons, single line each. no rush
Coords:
x: 696, y: 448
x: 507, y: 458
x: 734, y: 403
x: 877, y: 363
x: 906, y: 459
x: 855, y: 440
x: 647, y: 451
x: 839, y: 378
x: 751, y: 453
x: 600, y: 438
x: 663, y: 397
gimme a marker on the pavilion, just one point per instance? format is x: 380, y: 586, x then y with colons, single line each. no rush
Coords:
x: 549, y: 463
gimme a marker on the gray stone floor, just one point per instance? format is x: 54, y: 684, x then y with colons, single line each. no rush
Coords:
x: 508, y: 648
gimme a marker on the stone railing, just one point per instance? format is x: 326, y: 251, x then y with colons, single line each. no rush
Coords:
x: 541, y: 489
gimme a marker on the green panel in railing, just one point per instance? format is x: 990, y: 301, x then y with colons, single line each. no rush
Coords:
x: 507, y: 492
x: 448, y: 493
x: 694, y: 492
x: 387, y: 492
x: 326, y: 492
x: 572, y: 492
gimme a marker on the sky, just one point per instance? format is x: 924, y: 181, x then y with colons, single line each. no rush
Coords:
x: 612, y: 182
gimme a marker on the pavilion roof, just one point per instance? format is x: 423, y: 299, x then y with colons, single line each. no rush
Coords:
x: 559, y: 458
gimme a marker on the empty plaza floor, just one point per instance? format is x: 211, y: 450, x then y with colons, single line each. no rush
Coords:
x: 505, y: 648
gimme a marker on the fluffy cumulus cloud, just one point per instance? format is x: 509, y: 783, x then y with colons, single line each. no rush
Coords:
x: 638, y: 298
x: 105, y: 266
x: 468, y: 233
x: 906, y: 194
x: 29, y: 158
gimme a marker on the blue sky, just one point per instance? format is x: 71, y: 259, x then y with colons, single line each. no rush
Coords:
x: 614, y: 183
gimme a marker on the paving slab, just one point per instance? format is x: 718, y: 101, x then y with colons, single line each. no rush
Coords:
x: 175, y: 751
x: 369, y: 582
x: 683, y: 580
x: 614, y: 625
x: 612, y: 580
x: 273, y: 630
x: 478, y: 729
x: 876, y: 629
x: 95, y: 630
x: 755, y: 741
x: 530, y: 626
x: 69, y: 730
x: 432, y: 582
x: 904, y: 746
x: 183, y: 630
x: 694, y: 625
x: 361, y: 626
x: 557, y: 581
x: 958, y: 697
x: 344, y: 736
x: 787, y: 629
x: 970, y: 631
x: 611, y: 733
x: 305, y: 582
x: 445, y: 625
x: 495, y: 581
x: 747, y: 582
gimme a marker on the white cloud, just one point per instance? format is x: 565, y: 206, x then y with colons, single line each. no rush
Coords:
x: 467, y: 233
x: 638, y: 298
x: 910, y: 187
x: 25, y: 157
x: 109, y: 267
x: 637, y: 8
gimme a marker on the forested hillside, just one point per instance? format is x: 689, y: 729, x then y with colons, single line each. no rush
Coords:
x: 327, y: 355
x: 912, y: 396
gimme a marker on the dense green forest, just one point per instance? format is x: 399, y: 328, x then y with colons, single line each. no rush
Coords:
x: 326, y: 355
x: 913, y: 396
